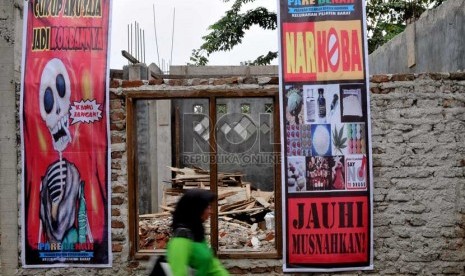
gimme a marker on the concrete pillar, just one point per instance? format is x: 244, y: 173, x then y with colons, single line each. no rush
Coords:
x: 137, y: 71
x: 9, y: 207
x: 164, y: 142
x: 153, y: 68
x: 160, y: 149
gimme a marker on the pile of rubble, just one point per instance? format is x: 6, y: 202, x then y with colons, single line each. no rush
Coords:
x: 233, y: 234
x: 241, y: 213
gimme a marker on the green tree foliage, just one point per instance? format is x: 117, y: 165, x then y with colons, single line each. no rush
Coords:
x: 385, y: 19
x: 230, y: 30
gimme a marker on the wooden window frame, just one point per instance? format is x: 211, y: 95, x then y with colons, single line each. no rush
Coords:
x: 212, y: 96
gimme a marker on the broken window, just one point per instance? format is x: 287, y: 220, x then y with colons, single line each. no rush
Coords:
x: 175, y: 147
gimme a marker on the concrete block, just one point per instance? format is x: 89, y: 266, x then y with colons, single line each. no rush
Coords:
x: 6, y: 11
x: 8, y: 177
x: 264, y: 70
x: 9, y: 120
x: 8, y: 145
x: 10, y: 229
x: 7, y: 85
x: 138, y: 72
x: 8, y: 160
x: 10, y: 246
x: 6, y: 59
x: 153, y: 68
x: 9, y: 224
x: 9, y: 201
x: 223, y: 70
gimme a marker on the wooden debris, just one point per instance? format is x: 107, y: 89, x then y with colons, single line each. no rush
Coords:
x: 239, y: 208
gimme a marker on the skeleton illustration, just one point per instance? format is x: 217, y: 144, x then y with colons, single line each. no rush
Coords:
x: 63, y: 209
x: 54, y: 95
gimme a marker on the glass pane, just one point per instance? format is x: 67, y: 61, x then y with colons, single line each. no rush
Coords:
x: 170, y: 137
x: 245, y: 108
x: 269, y: 108
x: 198, y: 108
x: 221, y: 108
x: 246, y: 176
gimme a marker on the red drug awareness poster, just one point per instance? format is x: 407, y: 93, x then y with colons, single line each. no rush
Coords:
x: 65, y: 134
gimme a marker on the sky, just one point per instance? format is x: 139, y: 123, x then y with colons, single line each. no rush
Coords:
x: 191, y: 21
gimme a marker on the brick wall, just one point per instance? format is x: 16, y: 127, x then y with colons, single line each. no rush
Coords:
x: 418, y: 137
x: 418, y: 134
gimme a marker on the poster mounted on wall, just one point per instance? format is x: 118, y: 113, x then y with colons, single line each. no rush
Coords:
x: 65, y: 134
x: 325, y: 124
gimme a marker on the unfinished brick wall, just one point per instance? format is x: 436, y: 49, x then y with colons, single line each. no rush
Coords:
x: 418, y: 142
x: 418, y: 134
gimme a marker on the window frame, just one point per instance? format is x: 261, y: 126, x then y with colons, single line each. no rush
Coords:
x: 212, y: 96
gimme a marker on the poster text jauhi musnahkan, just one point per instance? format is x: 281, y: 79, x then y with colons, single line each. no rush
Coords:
x: 329, y: 215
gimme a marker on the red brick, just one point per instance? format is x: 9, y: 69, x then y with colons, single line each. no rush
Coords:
x: 116, y: 104
x: 129, y: 84
x: 113, y: 96
x: 114, y: 177
x: 436, y: 76
x: 457, y: 76
x: 232, y: 80
x: 117, y: 201
x: 118, y: 126
x: 133, y: 264
x: 219, y: 82
x: 119, y: 189
x: 117, y: 139
x: 115, y: 212
x: 116, y: 166
x: 403, y: 77
x: 116, y: 154
x: 250, y: 80
x: 447, y: 103
x: 156, y: 82
x: 236, y: 270
x: 379, y: 78
x: 274, y: 80
x: 116, y: 247
x: 197, y: 82
x: 117, y: 116
x: 260, y: 269
x: 117, y: 224
x: 114, y: 84
x: 175, y: 82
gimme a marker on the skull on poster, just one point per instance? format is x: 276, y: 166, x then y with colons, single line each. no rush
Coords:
x: 54, y: 101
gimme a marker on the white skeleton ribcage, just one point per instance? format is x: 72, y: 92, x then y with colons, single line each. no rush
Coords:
x: 57, y: 181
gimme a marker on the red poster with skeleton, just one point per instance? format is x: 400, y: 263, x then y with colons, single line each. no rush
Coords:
x: 65, y: 134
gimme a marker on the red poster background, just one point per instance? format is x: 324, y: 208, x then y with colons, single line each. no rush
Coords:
x: 346, y: 52
x: 307, y: 27
x: 361, y: 227
x: 88, y: 150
